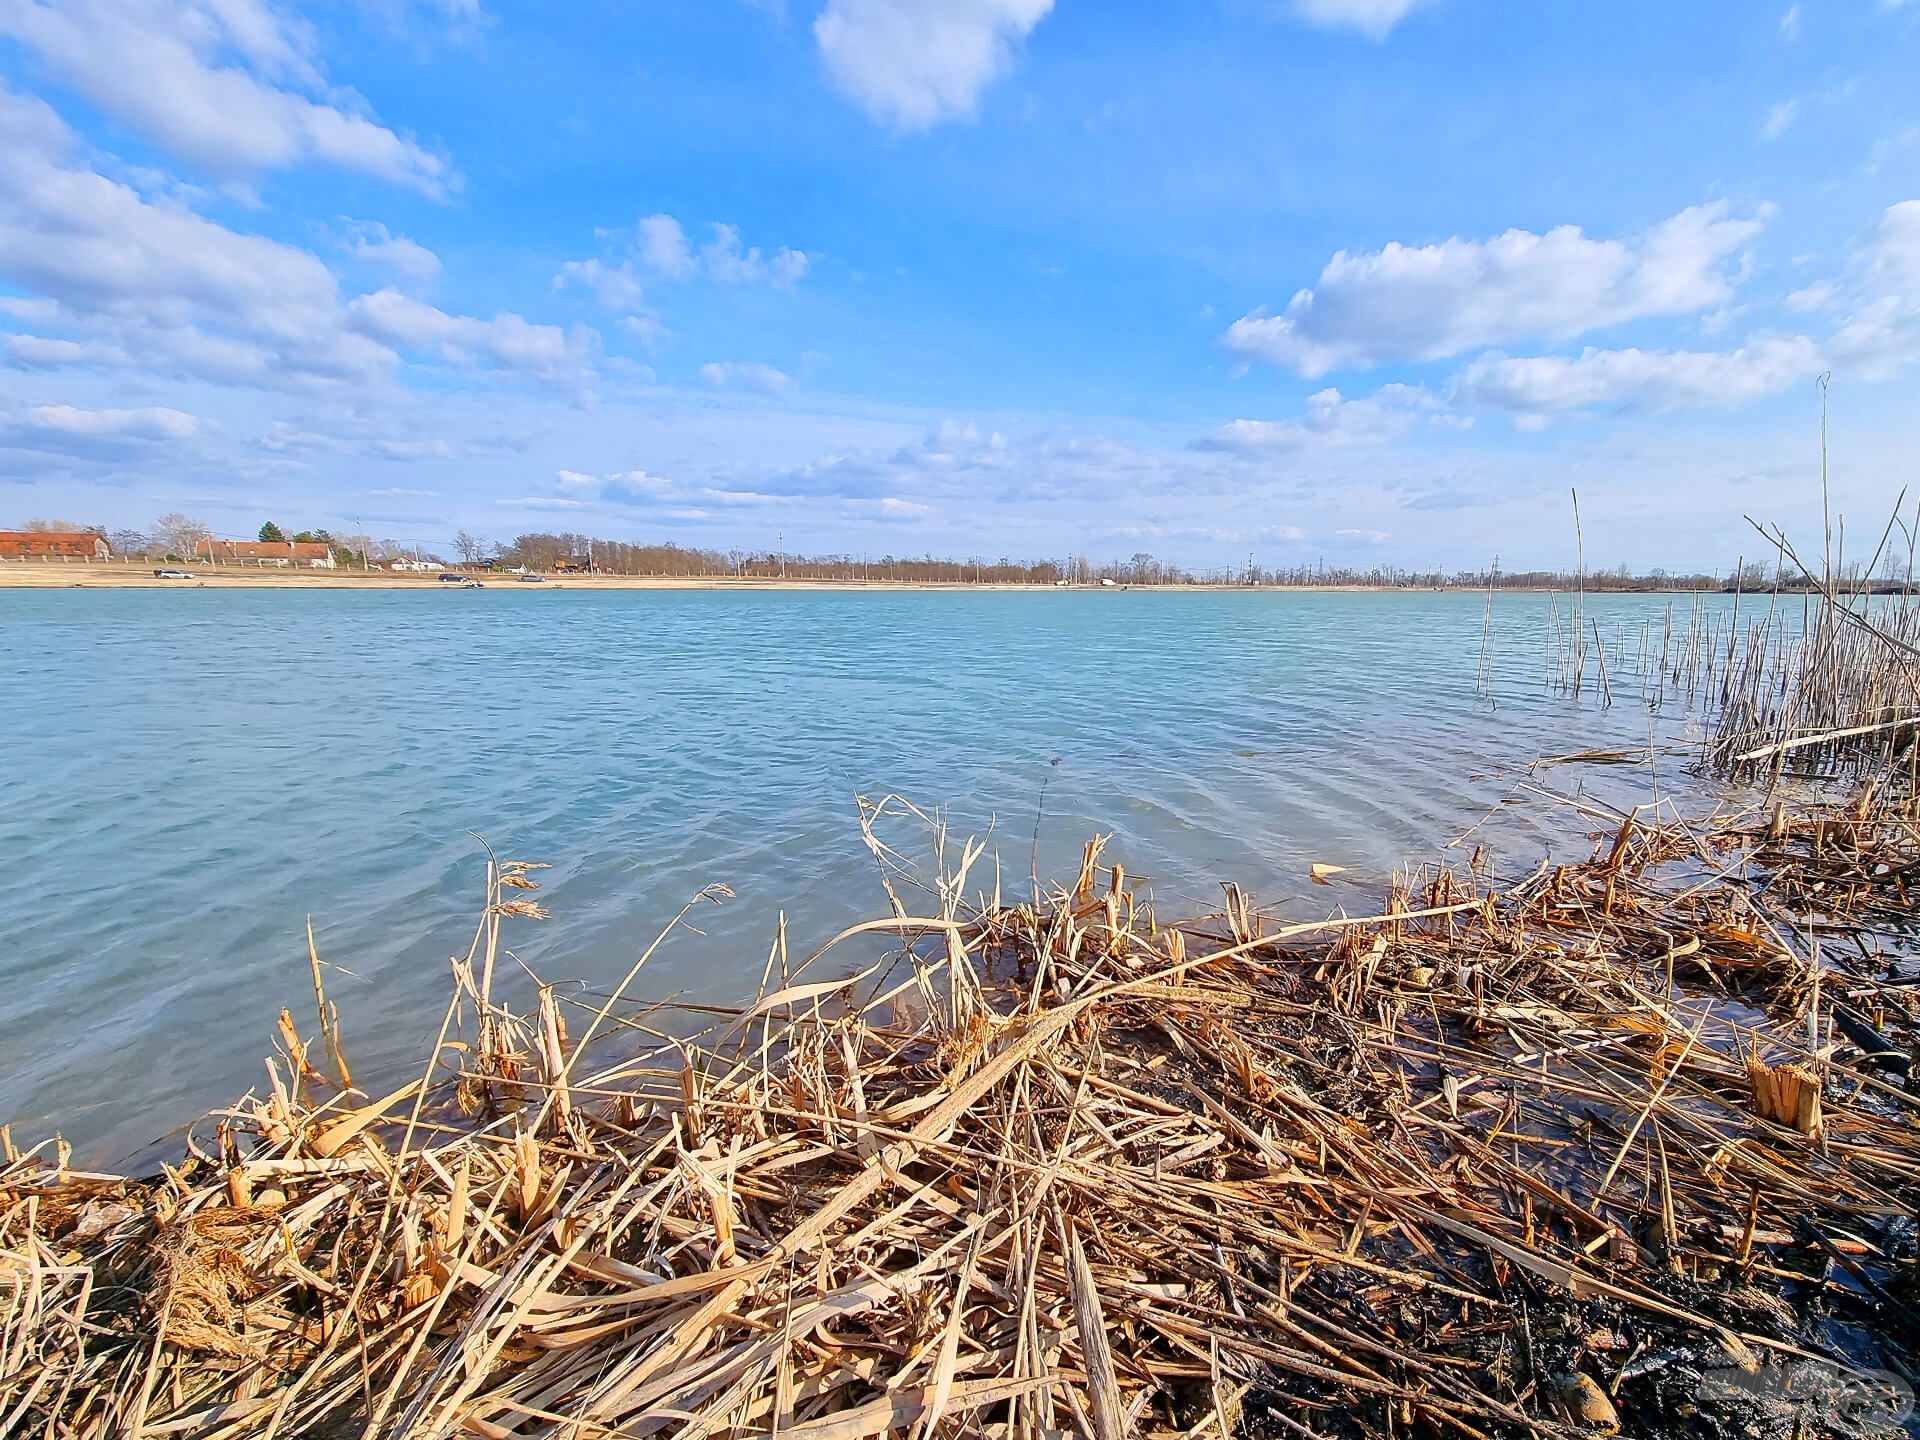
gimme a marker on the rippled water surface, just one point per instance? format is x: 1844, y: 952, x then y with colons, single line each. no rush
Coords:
x: 189, y: 774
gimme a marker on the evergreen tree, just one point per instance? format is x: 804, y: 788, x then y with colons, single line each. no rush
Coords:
x: 271, y: 533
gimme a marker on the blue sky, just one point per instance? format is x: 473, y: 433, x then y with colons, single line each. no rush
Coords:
x: 1375, y: 280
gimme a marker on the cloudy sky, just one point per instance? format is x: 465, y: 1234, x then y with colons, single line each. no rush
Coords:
x: 1374, y: 280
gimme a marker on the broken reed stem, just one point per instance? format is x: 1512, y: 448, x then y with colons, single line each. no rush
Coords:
x: 1052, y: 1159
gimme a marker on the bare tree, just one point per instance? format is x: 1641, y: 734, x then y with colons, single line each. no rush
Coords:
x: 181, y: 535
x: 130, y: 542
x: 472, y: 548
x: 69, y: 527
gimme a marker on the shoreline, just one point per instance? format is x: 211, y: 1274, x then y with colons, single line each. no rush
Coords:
x: 97, y: 576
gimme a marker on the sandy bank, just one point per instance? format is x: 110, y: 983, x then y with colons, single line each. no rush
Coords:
x: 38, y: 576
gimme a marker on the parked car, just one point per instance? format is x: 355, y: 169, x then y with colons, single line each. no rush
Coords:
x: 167, y: 572
x: 533, y: 579
x: 450, y: 577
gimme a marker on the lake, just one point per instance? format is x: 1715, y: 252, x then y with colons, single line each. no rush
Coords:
x: 190, y: 774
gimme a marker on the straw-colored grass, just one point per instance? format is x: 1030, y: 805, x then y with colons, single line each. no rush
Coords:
x: 1487, y: 1160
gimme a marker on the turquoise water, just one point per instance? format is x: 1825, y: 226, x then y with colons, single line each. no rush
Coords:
x: 189, y: 774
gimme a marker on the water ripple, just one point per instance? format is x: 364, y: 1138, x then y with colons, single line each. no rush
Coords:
x: 190, y: 774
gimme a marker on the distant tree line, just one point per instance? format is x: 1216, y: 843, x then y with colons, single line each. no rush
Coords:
x: 549, y: 551
x: 546, y: 550
x: 179, y: 537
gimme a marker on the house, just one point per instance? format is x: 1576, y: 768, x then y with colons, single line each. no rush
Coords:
x: 54, y: 545
x: 306, y: 554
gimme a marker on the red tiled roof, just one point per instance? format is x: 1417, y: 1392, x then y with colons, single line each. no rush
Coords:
x: 18, y: 543
x: 264, y: 549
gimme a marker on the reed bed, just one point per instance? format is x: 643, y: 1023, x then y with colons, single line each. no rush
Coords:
x: 1622, y: 1144
x: 1819, y: 680
x: 1837, y: 695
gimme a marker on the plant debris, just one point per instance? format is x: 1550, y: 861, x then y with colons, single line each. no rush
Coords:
x: 1588, y: 1152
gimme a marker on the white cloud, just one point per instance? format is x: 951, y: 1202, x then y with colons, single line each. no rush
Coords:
x: 578, y: 489
x: 507, y: 340
x: 1426, y: 302
x: 145, y: 282
x: 966, y: 469
x: 1881, y: 332
x: 48, y: 352
x: 659, y: 244
x: 726, y: 263
x: 662, y: 245
x: 74, y: 435
x: 913, y: 63
x: 283, y: 438
x: 745, y: 375
x: 714, y: 495
x: 616, y: 287
x: 890, y: 507
x: 1892, y: 247
x: 544, y: 502
x: 1655, y: 381
x: 153, y: 423
x: 1330, y: 423
x: 648, y: 330
x: 1779, y: 117
x: 640, y: 482
x: 218, y: 83
x: 413, y: 447
x: 376, y: 245
x: 162, y: 285
x: 1808, y: 298
x: 1790, y: 23
x: 1370, y: 17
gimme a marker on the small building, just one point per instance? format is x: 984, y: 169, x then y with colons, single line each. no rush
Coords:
x: 54, y: 545
x: 302, y: 554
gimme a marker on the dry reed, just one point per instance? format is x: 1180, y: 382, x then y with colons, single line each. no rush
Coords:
x: 1543, y: 1157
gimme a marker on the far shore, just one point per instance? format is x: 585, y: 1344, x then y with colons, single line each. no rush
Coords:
x: 36, y: 575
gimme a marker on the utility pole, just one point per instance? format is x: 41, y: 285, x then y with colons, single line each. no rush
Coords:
x: 783, y: 553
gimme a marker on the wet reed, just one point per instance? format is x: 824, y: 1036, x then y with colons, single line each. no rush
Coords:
x: 1549, y: 1155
